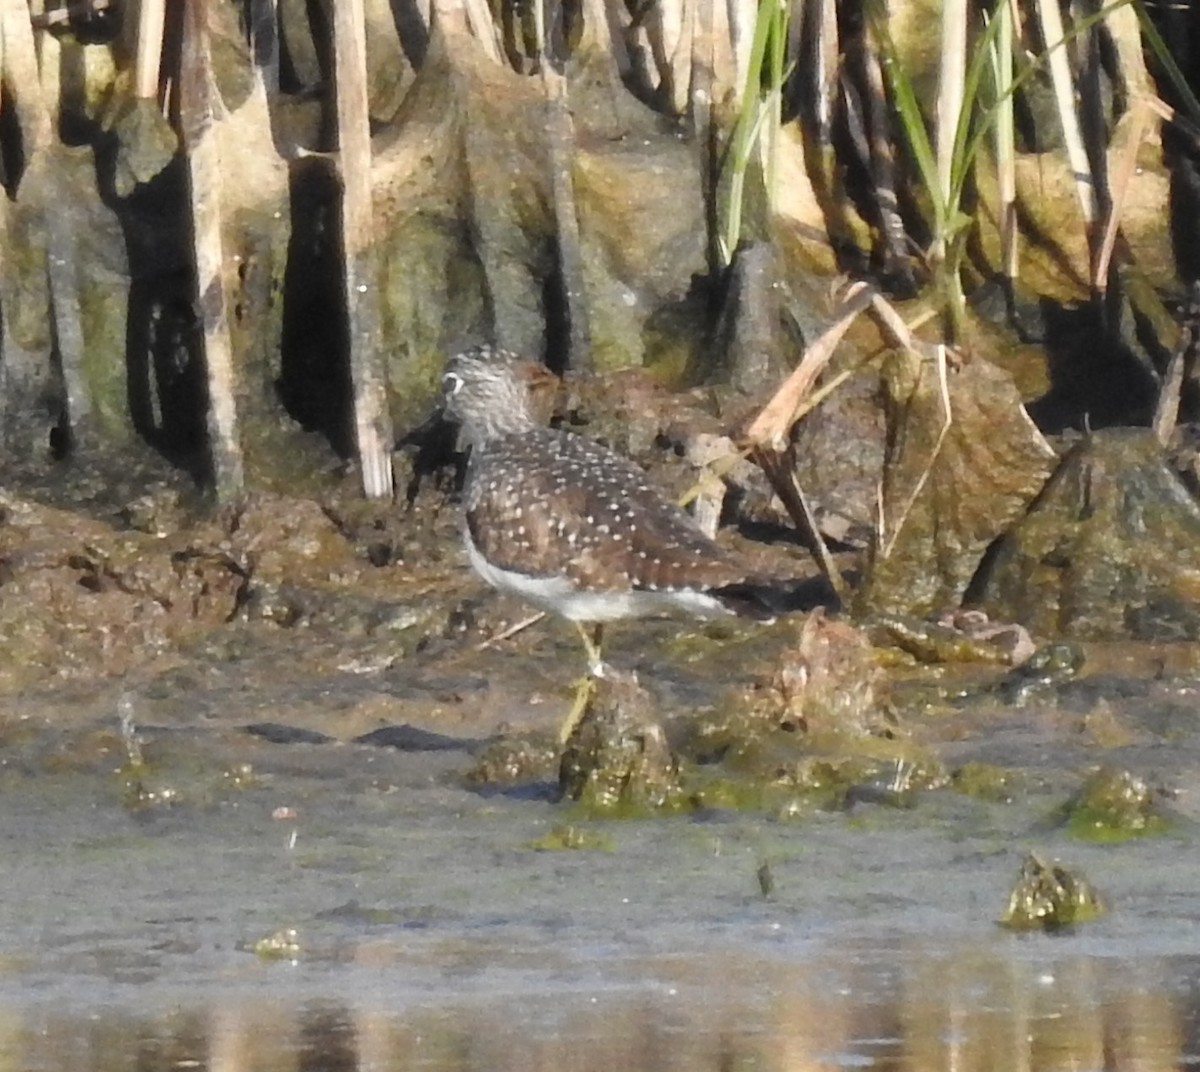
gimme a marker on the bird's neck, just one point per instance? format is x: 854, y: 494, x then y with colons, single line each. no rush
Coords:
x: 500, y: 423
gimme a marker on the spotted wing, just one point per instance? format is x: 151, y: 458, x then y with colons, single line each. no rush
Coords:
x: 554, y: 504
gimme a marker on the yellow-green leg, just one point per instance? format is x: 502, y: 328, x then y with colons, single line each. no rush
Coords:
x: 592, y: 636
x: 586, y: 685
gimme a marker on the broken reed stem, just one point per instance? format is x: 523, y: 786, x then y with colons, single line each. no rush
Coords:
x: 743, y: 18
x: 1179, y: 369
x: 372, y: 422
x: 772, y: 427
x: 887, y: 543
x: 1050, y: 18
x: 1126, y: 163
x: 560, y: 132
x: 478, y: 18
x: 877, y: 114
x: 952, y: 73
x: 1006, y: 164
x: 198, y: 108
x: 828, y: 61
x: 780, y: 470
x: 35, y: 105
x: 703, y: 65
x: 151, y: 19
x: 767, y: 436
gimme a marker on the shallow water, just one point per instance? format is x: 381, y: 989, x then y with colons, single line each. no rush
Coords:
x: 431, y: 935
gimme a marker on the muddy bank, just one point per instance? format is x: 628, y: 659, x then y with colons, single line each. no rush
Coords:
x: 300, y: 623
x: 242, y: 754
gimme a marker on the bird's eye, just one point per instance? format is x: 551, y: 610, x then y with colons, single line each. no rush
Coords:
x: 452, y: 383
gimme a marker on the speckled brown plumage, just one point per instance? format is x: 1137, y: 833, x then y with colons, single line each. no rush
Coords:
x: 548, y: 502
x: 567, y: 523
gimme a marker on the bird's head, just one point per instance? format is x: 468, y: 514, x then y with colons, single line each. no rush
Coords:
x: 487, y: 391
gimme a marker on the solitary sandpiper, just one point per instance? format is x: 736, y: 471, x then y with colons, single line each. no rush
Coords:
x: 568, y: 524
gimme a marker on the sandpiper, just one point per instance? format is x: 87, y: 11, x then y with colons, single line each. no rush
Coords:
x: 569, y: 525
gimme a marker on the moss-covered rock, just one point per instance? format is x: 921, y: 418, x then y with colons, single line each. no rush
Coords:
x: 1050, y: 896
x: 1109, y: 551
x: 617, y: 758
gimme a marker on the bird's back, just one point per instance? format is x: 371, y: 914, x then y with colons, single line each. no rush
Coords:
x: 547, y: 503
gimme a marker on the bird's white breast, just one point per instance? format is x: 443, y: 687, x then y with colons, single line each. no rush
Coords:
x: 559, y: 595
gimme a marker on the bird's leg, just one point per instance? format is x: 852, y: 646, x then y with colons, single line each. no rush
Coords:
x: 592, y: 637
x: 585, y: 686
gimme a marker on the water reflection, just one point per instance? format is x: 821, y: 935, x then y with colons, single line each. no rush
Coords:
x: 904, y: 1010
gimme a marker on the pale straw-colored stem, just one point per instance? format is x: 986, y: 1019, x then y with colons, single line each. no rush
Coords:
x: 372, y: 420
x: 151, y: 19
x: 198, y: 108
x: 951, y: 73
x: 1061, y: 78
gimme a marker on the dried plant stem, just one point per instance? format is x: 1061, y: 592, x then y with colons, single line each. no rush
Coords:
x: 767, y: 435
x: 892, y: 236
x: 951, y: 74
x: 480, y: 22
x: 742, y: 20
x: 703, y: 69
x: 677, y: 31
x: 199, y: 104
x: 151, y: 19
x: 36, y: 104
x: 511, y: 631
x: 780, y: 470
x: 771, y: 428
x: 560, y: 132
x: 372, y: 421
x: 887, y: 543
x: 827, y: 62
x: 1006, y: 166
x: 1123, y: 174
x: 1050, y: 18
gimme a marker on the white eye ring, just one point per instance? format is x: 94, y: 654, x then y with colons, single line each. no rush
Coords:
x: 452, y: 383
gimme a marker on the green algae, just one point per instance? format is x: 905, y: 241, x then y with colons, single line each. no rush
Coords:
x: 283, y: 944
x: 513, y: 760
x: 570, y: 837
x: 985, y: 781
x: 1113, y: 806
x: 1050, y: 897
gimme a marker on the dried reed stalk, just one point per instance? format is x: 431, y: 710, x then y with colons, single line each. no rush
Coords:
x: 560, y: 133
x: 892, y: 236
x: 767, y: 437
x: 36, y: 106
x: 151, y: 19
x: 827, y: 64
x: 482, y: 26
x: 1050, y: 18
x: 1122, y: 176
x: 704, y: 65
x: 1006, y: 164
x: 372, y: 421
x: 199, y: 107
x: 952, y: 72
x: 741, y: 15
x: 1179, y: 369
